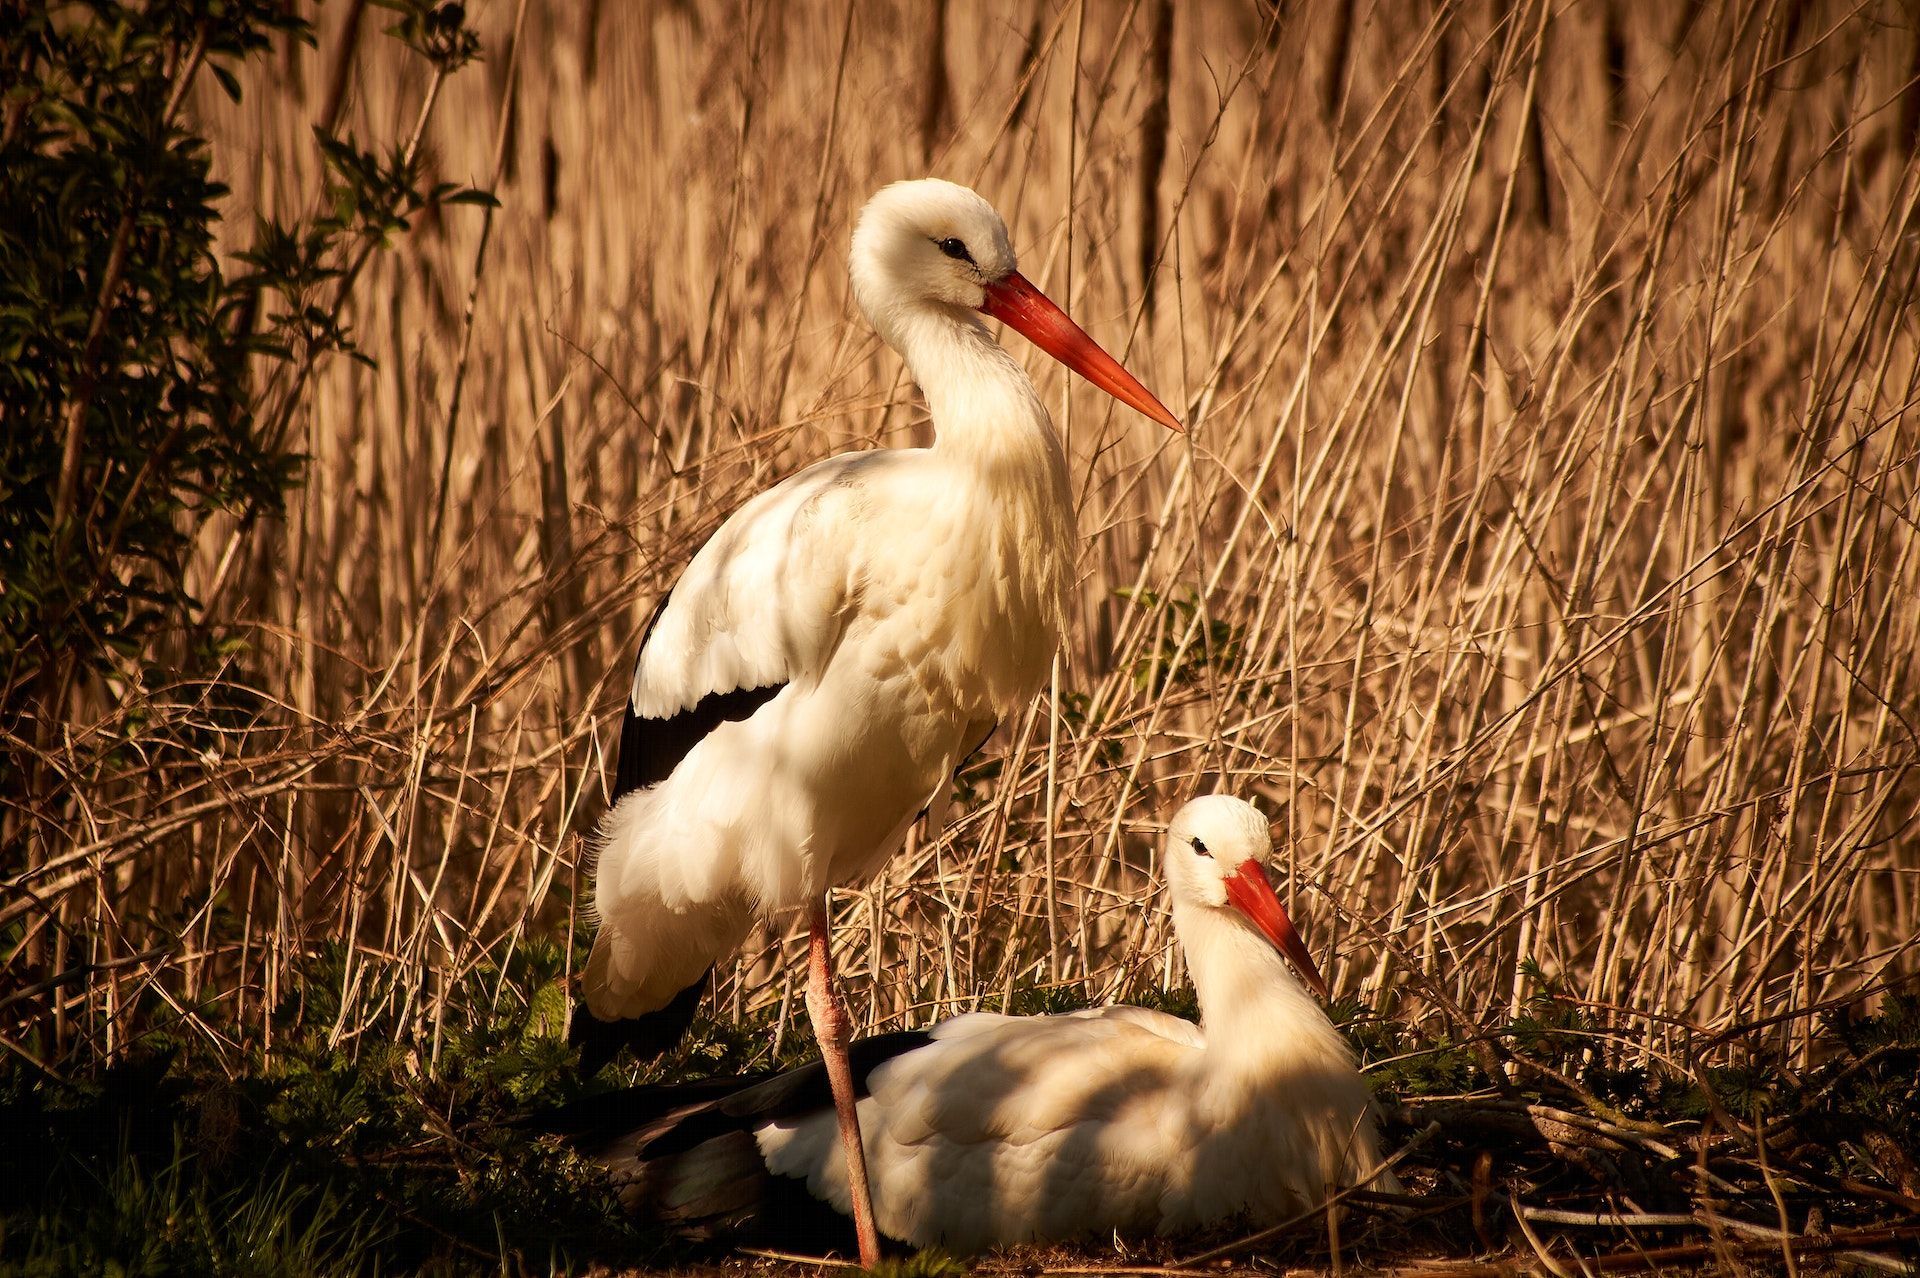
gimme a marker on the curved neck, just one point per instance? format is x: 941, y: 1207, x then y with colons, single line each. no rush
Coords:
x: 1274, y: 1065
x: 991, y: 427
x: 982, y: 401
x: 1256, y: 1013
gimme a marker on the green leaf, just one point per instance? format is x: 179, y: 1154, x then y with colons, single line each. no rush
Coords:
x: 229, y: 84
x: 546, y: 1015
x: 483, y: 199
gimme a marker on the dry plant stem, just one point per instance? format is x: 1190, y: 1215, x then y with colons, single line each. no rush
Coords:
x: 290, y: 397
x: 1787, y: 1240
x: 342, y: 69
x: 1652, y: 1259
x: 797, y: 1258
x: 816, y: 245
x: 502, y: 136
x: 1547, y: 577
x: 834, y: 1032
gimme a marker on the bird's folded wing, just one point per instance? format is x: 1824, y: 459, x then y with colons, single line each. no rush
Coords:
x: 759, y: 607
x: 1016, y: 1079
x: 1171, y: 1028
x: 1006, y: 1129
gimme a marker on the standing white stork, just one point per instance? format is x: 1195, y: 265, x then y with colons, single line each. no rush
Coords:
x: 990, y: 1129
x: 843, y: 642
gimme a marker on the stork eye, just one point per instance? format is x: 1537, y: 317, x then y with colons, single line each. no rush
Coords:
x: 955, y: 249
x: 1201, y: 848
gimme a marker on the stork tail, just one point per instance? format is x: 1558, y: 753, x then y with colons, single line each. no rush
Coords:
x: 684, y: 1154
x: 648, y: 1035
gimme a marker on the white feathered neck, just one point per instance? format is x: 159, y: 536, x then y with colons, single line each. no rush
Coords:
x: 990, y: 425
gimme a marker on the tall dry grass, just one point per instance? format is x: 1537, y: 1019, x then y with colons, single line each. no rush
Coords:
x: 1544, y: 554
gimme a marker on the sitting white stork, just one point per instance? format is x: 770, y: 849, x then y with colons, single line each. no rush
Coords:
x: 989, y: 1129
x: 843, y: 643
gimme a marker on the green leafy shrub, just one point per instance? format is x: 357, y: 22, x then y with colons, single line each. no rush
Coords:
x: 1216, y: 642
x: 145, y: 388
x: 124, y: 348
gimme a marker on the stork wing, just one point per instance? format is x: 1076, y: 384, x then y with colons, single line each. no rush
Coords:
x: 989, y: 1078
x: 759, y: 607
x: 651, y: 748
x: 1171, y: 1028
x: 1008, y: 1129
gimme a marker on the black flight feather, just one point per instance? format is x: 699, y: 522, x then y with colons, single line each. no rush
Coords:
x: 646, y: 1035
x: 650, y: 749
x: 684, y: 1153
x: 709, y: 1107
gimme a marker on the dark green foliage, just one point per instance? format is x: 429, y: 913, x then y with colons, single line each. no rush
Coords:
x: 170, y: 1221
x: 435, y: 29
x: 933, y: 1263
x: 1036, y: 1000
x: 400, y: 1149
x: 1180, y: 1001
x: 325, y: 1158
x: 1582, y: 1120
x: 1403, y: 1062
x: 718, y: 1048
x: 1864, y: 1105
x: 1076, y: 711
x: 123, y: 348
x: 1216, y: 643
x: 975, y: 778
x: 144, y: 388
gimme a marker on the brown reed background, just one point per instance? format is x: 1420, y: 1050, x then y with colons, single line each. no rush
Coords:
x: 1544, y: 554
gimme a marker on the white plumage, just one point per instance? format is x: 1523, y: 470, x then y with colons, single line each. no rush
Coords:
x: 898, y: 625
x: 1003, y: 1129
x: 848, y: 637
x: 899, y: 601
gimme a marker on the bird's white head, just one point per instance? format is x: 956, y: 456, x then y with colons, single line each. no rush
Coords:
x: 927, y: 243
x: 930, y: 247
x: 1217, y: 851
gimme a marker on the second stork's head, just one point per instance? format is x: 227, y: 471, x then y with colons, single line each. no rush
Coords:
x: 1217, y: 852
x: 934, y: 248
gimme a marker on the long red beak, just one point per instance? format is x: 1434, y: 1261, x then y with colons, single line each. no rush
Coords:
x: 1026, y: 310
x: 1252, y: 895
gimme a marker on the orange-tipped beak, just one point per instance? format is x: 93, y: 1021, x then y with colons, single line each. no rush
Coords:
x: 1026, y: 310
x: 1252, y: 895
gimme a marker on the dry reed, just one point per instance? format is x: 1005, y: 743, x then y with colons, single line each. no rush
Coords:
x: 1544, y: 554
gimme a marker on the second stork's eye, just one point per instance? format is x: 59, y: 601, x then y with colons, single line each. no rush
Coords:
x: 1201, y: 848
x: 954, y: 248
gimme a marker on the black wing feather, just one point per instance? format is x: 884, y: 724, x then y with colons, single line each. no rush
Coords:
x: 650, y: 749
x: 712, y: 1107
x: 684, y: 1154
x: 646, y: 1035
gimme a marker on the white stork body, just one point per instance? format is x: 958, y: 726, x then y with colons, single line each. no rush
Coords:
x: 993, y: 1129
x: 843, y: 642
x: 901, y: 601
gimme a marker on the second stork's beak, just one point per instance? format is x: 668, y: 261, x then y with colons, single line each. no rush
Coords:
x: 1025, y: 309
x: 1252, y: 895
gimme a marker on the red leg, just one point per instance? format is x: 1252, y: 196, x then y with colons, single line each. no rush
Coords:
x: 832, y: 1028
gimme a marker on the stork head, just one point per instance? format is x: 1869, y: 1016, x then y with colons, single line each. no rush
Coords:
x: 1217, y: 852
x: 934, y: 245
x: 927, y: 241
